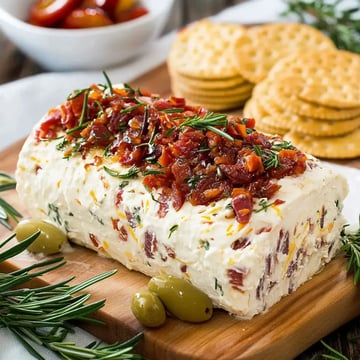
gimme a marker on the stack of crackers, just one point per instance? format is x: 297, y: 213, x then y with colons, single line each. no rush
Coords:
x: 290, y: 77
x: 313, y: 99
x: 202, y: 67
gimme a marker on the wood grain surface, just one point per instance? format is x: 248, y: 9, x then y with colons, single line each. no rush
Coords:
x: 290, y: 327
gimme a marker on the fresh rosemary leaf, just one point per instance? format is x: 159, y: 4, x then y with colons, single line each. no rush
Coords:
x: 208, y: 122
x: 335, y: 355
x: 108, y: 82
x: 16, y: 249
x: 172, y: 110
x: 43, y: 315
x: 263, y: 205
x: 220, y: 132
x: 129, y: 109
x: 97, y: 351
x: 351, y: 248
x: 172, y: 229
x: 153, y: 172
x: 341, y: 24
x: 6, y: 210
x: 77, y: 93
x: 6, y: 182
x: 130, y: 174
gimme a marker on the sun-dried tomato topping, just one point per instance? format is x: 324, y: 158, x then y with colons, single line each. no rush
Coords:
x: 185, y: 152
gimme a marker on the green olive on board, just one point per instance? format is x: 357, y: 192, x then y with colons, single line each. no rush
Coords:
x: 181, y: 298
x: 148, y: 308
x: 50, y: 239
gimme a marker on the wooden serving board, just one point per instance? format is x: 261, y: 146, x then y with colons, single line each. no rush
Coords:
x: 317, y: 308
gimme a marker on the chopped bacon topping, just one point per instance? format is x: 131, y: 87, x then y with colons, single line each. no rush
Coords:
x: 185, y: 152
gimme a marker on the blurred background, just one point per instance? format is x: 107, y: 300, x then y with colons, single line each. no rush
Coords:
x: 14, y: 65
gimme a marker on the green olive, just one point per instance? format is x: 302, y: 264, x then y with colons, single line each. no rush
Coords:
x: 148, y: 308
x: 50, y: 239
x: 181, y: 298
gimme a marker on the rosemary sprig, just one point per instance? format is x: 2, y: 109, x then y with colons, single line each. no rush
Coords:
x: 335, y: 355
x: 331, y: 17
x: 96, y: 351
x: 6, y: 210
x: 108, y: 82
x: 43, y: 315
x: 269, y: 157
x: 351, y: 248
x: 132, y: 172
x: 172, y: 110
x: 209, y: 122
x: 263, y: 205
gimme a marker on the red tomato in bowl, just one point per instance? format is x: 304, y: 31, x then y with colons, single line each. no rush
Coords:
x: 86, y: 18
x: 79, y: 14
x: 107, y: 5
x: 51, y: 12
x: 131, y: 14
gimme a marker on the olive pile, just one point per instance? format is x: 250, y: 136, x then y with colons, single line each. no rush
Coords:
x: 164, y: 294
x: 169, y: 293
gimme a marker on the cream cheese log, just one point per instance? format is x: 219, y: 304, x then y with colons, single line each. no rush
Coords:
x: 244, y: 259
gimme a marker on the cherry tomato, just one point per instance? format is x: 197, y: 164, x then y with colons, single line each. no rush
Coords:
x: 122, y: 16
x: 123, y: 5
x: 50, y: 12
x: 108, y: 5
x: 86, y: 18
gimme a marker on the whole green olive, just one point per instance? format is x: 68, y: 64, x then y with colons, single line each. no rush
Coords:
x: 148, y: 308
x: 50, y: 239
x: 181, y: 298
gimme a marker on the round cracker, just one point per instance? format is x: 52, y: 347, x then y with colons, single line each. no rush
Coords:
x: 310, y: 126
x: 214, y: 104
x: 236, y: 92
x: 205, y: 49
x: 283, y: 93
x: 315, y: 127
x: 253, y: 110
x: 209, y: 83
x: 329, y: 78
x: 339, y: 147
x: 262, y: 46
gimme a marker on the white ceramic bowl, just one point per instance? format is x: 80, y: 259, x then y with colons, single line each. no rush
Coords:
x: 82, y: 49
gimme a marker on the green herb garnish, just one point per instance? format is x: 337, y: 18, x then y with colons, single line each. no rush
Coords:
x: 132, y: 172
x: 6, y: 210
x: 108, y: 82
x: 337, y: 22
x: 351, y: 248
x: 270, y: 158
x: 335, y: 355
x: 263, y: 205
x: 129, y: 109
x: 193, y: 181
x: 172, y: 110
x: 208, y: 122
x: 172, y: 229
x: 43, y: 316
x: 77, y: 93
x: 153, y: 172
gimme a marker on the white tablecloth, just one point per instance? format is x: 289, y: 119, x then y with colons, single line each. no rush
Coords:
x: 23, y: 102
